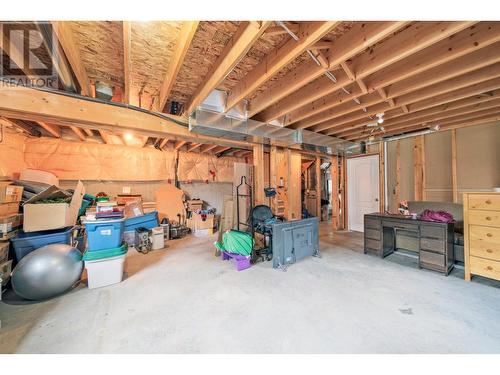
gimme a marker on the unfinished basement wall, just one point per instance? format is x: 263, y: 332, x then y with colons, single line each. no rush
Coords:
x: 114, y: 169
x: 11, y: 152
x: 478, y: 161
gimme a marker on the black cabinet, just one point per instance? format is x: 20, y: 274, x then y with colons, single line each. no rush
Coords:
x: 435, y: 240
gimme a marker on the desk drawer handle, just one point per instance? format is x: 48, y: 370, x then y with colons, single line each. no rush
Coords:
x: 488, y: 201
x: 489, y: 251
x: 489, y: 268
x: 489, y: 235
x: 488, y: 218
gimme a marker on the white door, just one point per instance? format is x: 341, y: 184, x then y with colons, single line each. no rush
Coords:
x: 362, y: 189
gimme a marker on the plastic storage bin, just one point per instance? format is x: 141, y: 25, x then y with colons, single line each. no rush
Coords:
x: 103, y: 270
x: 148, y: 221
x: 25, y: 243
x: 104, y: 234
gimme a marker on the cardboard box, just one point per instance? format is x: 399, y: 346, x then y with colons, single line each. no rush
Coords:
x: 123, y: 199
x: 133, y: 209
x: 194, y: 204
x: 47, y: 216
x: 10, y: 193
x: 196, y: 222
x: 9, y: 223
x: 9, y: 208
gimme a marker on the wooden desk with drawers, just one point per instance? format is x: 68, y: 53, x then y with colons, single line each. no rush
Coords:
x: 482, y: 235
x: 435, y: 250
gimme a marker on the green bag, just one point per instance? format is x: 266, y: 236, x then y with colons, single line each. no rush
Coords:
x: 234, y: 241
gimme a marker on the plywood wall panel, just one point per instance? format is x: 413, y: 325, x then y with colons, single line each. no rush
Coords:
x: 478, y: 157
x: 407, y: 178
x: 438, y: 167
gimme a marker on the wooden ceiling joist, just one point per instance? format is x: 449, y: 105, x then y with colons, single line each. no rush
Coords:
x: 22, y: 126
x: 435, y: 118
x: 104, y: 135
x: 318, y: 112
x: 308, y: 34
x: 193, y: 146
x: 221, y: 149
x: 78, y: 132
x: 163, y: 143
x: 415, y: 38
x: 278, y: 30
x: 483, y: 88
x: 233, y: 52
x: 360, y: 37
x: 398, y: 115
x: 70, y: 48
x: 52, y: 129
x: 207, y: 148
x: 350, y: 112
x: 89, y: 132
x: 184, y: 39
x: 469, y: 40
x: 179, y: 144
x: 126, y: 31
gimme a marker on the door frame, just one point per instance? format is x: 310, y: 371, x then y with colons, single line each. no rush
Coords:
x: 381, y: 183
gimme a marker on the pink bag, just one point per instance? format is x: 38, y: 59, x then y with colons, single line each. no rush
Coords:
x: 441, y: 216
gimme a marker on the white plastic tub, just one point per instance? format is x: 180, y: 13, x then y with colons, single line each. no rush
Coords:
x: 104, y: 272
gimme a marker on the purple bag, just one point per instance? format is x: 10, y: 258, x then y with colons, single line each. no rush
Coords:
x: 441, y: 216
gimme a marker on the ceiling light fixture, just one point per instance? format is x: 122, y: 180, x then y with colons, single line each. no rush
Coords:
x: 380, y: 118
x: 128, y: 136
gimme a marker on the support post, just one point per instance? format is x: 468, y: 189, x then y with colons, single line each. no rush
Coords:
x: 454, y: 181
x: 318, y: 187
x: 334, y: 174
x: 258, y: 165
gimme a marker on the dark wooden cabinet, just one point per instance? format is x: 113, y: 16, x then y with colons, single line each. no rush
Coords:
x: 435, y: 250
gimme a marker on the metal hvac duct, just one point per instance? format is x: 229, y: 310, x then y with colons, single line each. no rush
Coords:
x: 236, y: 126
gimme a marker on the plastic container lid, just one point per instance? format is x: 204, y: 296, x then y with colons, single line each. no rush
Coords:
x: 102, y: 221
x: 106, y: 253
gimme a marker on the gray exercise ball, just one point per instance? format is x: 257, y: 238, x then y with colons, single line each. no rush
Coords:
x: 47, y: 272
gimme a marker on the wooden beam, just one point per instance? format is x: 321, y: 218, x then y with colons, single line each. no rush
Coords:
x: 233, y: 52
x: 179, y: 144
x: 163, y: 143
x: 308, y: 34
x: 78, y: 132
x: 334, y: 174
x: 484, y: 62
x: 432, y: 93
x: 126, y: 32
x: 105, y: 136
x: 357, y: 39
x: 70, y: 47
x: 184, y: 39
x: 318, y: 187
x: 278, y: 30
x: 258, y: 173
x: 469, y: 40
x: 89, y: 132
x: 29, y: 104
x: 221, y: 149
x: 454, y: 181
x: 381, y: 176
x: 193, y: 146
x: 207, y: 148
x: 21, y: 125
x: 399, y: 115
x: 418, y: 168
x: 431, y: 115
x: 144, y: 140
x: 52, y: 129
x: 397, y: 188
x: 348, y: 71
x: 415, y: 38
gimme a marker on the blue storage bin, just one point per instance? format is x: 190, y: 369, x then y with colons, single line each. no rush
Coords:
x: 25, y: 243
x: 104, y: 234
x: 148, y: 221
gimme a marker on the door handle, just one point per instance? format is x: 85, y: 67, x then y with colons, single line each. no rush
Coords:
x: 376, y: 199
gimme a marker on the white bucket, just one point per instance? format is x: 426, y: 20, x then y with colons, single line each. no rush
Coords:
x: 158, y: 238
x: 104, y: 272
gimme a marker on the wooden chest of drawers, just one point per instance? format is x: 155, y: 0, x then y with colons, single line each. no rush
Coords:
x: 482, y: 235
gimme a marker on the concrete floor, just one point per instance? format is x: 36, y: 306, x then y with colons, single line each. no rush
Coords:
x: 184, y: 300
